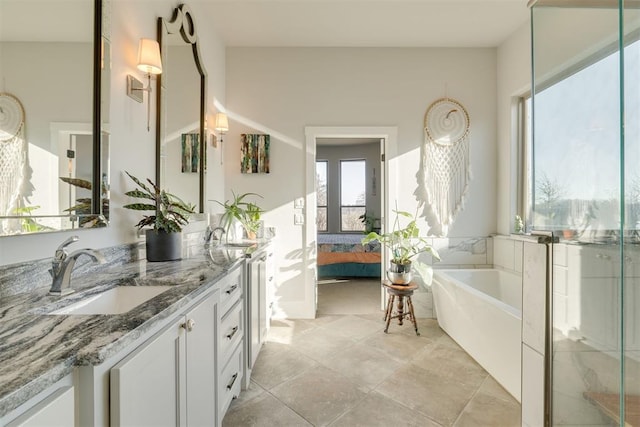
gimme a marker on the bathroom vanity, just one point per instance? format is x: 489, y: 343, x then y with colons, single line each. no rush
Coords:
x: 180, y: 355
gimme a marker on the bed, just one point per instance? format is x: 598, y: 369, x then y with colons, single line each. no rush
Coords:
x: 343, y: 255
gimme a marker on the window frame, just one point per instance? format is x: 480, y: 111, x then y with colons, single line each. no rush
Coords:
x: 341, y: 206
x: 326, y: 206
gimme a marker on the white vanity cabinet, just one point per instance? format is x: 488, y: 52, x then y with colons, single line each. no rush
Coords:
x: 171, y: 378
x: 586, y: 295
x: 57, y: 409
x: 260, y: 284
x: 230, y: 341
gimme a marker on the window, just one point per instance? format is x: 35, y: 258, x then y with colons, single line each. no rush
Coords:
x: 571, y: 177
x: 321, y: 192
x: 525, y: 148
x: 352, y: 194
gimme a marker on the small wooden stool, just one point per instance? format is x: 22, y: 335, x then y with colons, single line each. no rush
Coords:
x: 400, y: 291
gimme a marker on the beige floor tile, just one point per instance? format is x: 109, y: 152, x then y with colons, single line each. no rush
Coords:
x: 321, y: 343
x: 319, y: 395
x: 263, y: 411
x: 354, y: 327
x: 378, y: 316
x: 399, y: 346
x: 364, y: 365
x: 377, y: 410
x: 427, y: 327
x: 439, y: 397
x: 453, y: 363
x: 283, y: 330
x: 277, y: 363
x: 492, y: 405
x: 250, y: 393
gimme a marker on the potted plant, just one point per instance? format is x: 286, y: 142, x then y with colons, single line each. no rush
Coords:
x: 243, y: 212
x: 164, y: 238
x: 404, y: 243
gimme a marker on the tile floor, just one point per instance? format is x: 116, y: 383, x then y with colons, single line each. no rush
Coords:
x: 341, y: 369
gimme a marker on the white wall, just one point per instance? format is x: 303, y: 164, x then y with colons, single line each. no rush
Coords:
x: 513, y: 81
x: 132, y: 147
x: 281, y: 90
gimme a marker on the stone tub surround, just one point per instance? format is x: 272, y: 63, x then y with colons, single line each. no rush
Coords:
x: 37, y: 350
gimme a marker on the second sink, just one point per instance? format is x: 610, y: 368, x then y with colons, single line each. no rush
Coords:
x: 118, y: 300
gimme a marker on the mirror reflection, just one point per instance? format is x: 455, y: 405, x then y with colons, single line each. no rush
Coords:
x: 46, y: 117
x: 181, y: 146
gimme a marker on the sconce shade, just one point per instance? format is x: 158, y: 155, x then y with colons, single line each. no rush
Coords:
x: 149, y: 56
x: 222, y: 123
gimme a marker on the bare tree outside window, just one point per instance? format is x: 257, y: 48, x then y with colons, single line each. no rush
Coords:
x: 352, y: 194
x: 321, y: 194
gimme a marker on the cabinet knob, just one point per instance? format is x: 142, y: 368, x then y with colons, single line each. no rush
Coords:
x: 189, y: 324
x: 231, y: 289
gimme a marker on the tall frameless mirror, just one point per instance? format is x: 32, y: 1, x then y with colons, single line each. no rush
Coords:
x: 585, y: 186
x: 181, y: 148
x: 54, y: 65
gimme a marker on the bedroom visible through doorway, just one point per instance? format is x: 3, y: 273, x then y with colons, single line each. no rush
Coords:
x: 350, y: 189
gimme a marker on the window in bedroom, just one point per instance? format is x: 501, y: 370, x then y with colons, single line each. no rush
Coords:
x: 352, y: 194
x: 321, y: 192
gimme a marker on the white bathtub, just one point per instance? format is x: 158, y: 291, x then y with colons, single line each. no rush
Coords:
x: 482, y: 311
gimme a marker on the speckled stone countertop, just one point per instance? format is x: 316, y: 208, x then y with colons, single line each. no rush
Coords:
x: 38, y: 349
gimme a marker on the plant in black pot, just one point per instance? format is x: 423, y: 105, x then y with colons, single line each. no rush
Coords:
x: 164, y: 238
x: 405, y: 244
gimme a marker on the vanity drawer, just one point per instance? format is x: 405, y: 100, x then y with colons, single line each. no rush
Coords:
x: 230, y: 381
x: 231, y: 332
x: 230, y: 291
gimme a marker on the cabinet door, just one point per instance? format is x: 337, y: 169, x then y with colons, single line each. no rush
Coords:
x: 57, y: 409
x: 599, y: 308
x: 270, y: 288
x: 145, y: 386
x: 201, y: 363
x: 254, y: 311
x: 262, y: 295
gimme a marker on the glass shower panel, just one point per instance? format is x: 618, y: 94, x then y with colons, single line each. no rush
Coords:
x: 576, y: 192
x: 630, y: 290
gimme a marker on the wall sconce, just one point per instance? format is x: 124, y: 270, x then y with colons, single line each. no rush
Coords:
x: 222, y: 124
x: 150, y: 62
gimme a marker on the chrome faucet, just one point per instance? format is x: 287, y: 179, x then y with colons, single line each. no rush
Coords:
x: 63, y: 263
x: 210, y: 234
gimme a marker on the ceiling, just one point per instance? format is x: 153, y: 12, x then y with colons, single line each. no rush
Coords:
x: 366, y: 23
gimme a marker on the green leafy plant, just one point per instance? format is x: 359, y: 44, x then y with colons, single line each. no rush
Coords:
x: 369, y: 222
x: 238, y: 209
x: 82, y: 208
x: 254, y: 213
x: 171, y: 213
x: 28, y: 223
x: 405, y: 243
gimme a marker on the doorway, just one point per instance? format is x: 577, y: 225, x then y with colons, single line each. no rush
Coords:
x: 354, y: 147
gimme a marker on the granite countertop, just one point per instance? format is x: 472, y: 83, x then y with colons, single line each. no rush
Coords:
x: 38, y: 349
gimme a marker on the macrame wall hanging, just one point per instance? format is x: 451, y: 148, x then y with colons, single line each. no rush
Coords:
x: 443, y: 178
x: 14, y: 164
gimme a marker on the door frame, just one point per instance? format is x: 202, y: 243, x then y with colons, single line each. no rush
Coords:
x: 388, y: 184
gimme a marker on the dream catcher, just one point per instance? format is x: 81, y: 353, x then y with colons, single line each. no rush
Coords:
x: 445, y: 172
x: 14, y: 165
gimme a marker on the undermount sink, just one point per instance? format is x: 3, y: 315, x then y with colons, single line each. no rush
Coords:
x: 118, y: 300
